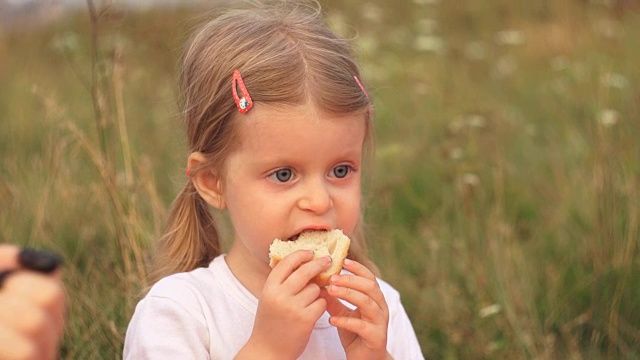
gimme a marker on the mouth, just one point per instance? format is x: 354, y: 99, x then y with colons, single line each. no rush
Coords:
x: 297, y: 235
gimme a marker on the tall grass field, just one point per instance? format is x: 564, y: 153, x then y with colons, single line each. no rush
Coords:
x: 503, y: 201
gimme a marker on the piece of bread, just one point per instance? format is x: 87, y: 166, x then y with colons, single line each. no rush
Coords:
x: 333, y: 243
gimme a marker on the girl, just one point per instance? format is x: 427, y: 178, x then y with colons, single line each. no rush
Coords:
x: 278, y: 123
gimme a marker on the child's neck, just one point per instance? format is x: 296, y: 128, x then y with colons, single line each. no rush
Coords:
x: 247, y: 268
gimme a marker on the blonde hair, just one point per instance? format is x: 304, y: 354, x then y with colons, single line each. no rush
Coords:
x: 287, y: 56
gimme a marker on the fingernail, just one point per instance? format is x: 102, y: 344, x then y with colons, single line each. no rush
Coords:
x: 333, y: 278
x: 348, y: 262
x: 328, y: 259
x: 39, y: 260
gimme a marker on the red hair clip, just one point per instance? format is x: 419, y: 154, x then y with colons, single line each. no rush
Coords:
x: 243, y: 103
x: 360, y: 84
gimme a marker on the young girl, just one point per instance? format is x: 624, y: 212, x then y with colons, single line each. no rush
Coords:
x: 278, y: 124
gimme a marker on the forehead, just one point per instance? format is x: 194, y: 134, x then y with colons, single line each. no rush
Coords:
x: 286, y: 128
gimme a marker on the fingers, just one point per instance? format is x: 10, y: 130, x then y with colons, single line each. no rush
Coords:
x: 317, y: 307
x: 289, y: 285
x: 297, y: 269
x: 8, y: 257
x: 360, y: 289
x: 49, y: 296
x: 358, y: 269
x: 365, y: 294
x: 311, y: 291
x: 289, y: 264
x: 23, y: 316
x: 334, y: 306
x: 306, y: 272
x: 30, y: 324
x: 32, y: 319
x: 289, y: 305
x: 15, y: 346
x: 371, y: 317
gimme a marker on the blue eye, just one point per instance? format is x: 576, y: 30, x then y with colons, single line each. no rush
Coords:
x: 341, y: 171
x: 281, y: 175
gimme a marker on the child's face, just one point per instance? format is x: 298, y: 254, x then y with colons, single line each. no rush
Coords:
x: 295, y: 169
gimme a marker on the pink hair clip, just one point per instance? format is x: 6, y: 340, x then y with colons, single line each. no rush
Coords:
x: 360, y: 84
x: 243, y: 103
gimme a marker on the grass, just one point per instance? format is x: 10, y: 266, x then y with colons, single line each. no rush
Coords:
x: 504, y: 198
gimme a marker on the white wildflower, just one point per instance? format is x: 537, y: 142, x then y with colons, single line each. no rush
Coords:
x: 509, y: 37
x: 471, y: 179
x: 456, y: 153
x: 476, y: 121
x: 66, y: 42
x: 489, y: 310
x: 608, y: 28
x: 608, y: 117
x: 372, y: 12
x: 429, y: 43
x: 614, y: 80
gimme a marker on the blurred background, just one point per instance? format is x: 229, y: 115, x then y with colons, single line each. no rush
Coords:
x: 503, y: 202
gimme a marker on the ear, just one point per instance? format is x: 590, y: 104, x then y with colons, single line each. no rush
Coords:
x: 207, y: 183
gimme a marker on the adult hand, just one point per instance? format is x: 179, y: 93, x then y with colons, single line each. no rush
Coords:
x: 32, y: 306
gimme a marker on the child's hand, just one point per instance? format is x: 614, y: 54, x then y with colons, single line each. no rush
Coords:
x: 363, y: 331
x: 289, y: 308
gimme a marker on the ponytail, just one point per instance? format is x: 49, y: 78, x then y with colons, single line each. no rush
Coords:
x: 190, y: 240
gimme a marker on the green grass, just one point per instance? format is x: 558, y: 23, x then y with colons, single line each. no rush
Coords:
x: 504, y: 199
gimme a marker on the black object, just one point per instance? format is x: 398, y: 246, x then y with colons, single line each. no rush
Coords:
x: 39, y: 260
x: 35, y: 260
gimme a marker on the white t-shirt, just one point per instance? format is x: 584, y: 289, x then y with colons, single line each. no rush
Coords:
x: 208, y: 314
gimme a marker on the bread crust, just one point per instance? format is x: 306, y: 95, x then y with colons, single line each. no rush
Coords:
x: 280, y: 249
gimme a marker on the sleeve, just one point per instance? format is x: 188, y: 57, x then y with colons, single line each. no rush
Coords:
x: 162, y: 328
x: 402, y: 342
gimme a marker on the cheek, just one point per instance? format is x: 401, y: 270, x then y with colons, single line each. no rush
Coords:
x: 350, y: 215
x: 251, y: 215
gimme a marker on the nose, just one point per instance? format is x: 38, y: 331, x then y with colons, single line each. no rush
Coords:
x: 316, y: 197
